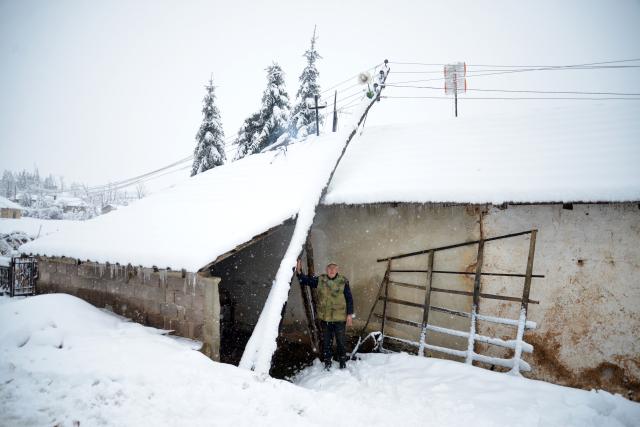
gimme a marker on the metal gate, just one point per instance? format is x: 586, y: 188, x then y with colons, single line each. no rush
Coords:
x: 19, y: 277
x: 518, y: 345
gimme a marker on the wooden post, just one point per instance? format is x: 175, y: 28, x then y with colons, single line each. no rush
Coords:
x: 384, y: 307
x: 335, y: 112
x: 315, y: 98
x: 427, y: 303
x: 476, y: 302
x: 527, y: 279
x: 309, y: 302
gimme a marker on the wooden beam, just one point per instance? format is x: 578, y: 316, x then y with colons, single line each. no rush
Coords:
x: 458, y: 245
x: 537, y: 276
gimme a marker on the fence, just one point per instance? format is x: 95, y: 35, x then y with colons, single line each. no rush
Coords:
x: 518, y: 345
x: 18, y: 278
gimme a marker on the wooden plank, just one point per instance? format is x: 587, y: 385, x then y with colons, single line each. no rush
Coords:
x: 458, y: 245
x: 406, y: 285
x: 482, y: 295
x: 427, y: 302
x: 537, y: 276
x: 309, y: 302
x: 478, y: 276
x: 527, y: 281
x: 378, y: 297
x: 402, y: 302
x: 401, y: 321
x: 386, y: 300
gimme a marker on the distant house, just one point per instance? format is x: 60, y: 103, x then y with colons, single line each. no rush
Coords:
x: 71, y: 204
x: 9, y: 209
x: 213, y: 244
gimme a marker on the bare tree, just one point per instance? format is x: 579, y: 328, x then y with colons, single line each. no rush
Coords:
x: 141, y: 191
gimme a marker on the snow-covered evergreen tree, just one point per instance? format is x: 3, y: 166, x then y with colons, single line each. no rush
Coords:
x: 247, y: 140
x: 209, y: 151
x: 303, y: 119
x: 266, y: 126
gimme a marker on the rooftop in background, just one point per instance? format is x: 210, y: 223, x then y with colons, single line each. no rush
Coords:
x: 8, y: 204
x: 563, y: 155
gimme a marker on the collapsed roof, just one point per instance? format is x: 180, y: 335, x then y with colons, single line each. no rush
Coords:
x: 565, y: 155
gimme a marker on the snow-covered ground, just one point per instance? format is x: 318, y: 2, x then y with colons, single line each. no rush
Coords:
x: 63, y: 360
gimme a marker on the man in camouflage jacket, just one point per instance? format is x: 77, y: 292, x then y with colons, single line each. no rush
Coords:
x: 335, y: 309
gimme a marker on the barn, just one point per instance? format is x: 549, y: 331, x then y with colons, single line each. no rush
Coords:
x: 486, y: 216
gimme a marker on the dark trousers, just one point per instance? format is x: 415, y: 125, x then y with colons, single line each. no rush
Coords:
x: 330, y: 330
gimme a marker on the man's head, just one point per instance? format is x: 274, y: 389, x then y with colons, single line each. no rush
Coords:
x: 332, y: 270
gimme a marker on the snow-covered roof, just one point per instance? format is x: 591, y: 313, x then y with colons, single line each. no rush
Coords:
x: 572, y: 155
x: 8, y: 204
x: 588, y: 154
x: 192, y: 223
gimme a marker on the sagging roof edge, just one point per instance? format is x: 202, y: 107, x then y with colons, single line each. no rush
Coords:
x: 204, y: 270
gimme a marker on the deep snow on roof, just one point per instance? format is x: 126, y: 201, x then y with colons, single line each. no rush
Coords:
x: 192, y: 223
x: 582, y: 154
x: 564, y: 155
x: 8, y: 204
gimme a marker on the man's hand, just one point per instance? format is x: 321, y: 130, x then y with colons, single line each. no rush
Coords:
x: 349, y: 320
x: 299, y: 266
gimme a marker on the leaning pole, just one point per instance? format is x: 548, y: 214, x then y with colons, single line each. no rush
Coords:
x: 262, y: 343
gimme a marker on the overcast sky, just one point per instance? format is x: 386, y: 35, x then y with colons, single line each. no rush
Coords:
x: 100, y: 91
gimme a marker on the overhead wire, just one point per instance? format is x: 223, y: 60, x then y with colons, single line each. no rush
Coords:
x: 521, y: 91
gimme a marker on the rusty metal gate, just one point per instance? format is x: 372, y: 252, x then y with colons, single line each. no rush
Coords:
x: 19, y: 277
x: 517, y: 344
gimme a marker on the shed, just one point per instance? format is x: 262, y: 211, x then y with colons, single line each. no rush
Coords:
x: 569, y: 173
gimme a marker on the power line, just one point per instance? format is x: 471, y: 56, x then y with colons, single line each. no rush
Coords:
x: 519, y: 66
x: 349, y: 79
x: 523, y: 91
x: 516, y: 98
x: 587, y: 66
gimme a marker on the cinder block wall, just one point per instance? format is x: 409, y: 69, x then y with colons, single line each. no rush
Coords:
x: 184, y: 302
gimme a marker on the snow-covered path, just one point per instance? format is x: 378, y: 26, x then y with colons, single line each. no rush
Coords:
x: 63, y: 360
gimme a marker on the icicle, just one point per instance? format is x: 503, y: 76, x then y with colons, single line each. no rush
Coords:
x: 163, y: 277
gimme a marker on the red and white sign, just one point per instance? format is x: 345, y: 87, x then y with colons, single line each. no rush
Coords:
x: 454, y: 78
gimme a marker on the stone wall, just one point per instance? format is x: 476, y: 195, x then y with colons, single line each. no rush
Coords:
x: 186, y: 303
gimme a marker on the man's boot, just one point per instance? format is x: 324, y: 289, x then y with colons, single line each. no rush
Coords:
x: 343, y: 362
x: 327, y: 365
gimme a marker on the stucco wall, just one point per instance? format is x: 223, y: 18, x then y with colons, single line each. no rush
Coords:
x: 589, y: 311
x: 187, y: 303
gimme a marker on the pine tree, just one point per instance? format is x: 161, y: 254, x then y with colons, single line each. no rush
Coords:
x: 303, y: 119
x: 265, y: 127
x: 247, y: 140
x: 209, y: 151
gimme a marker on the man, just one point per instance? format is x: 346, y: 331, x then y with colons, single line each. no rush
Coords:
x: 335, y: 309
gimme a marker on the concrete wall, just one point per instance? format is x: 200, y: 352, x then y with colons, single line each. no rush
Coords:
x: 589, y: 311
x: 187, y: 303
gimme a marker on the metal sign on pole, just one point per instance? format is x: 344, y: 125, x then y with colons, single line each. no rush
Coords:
x: 455, y: 81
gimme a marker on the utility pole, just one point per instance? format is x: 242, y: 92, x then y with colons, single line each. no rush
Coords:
x: 317, y: 107
x: 455, y: 91
x: 335, y: 112
x: 454, y: 80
